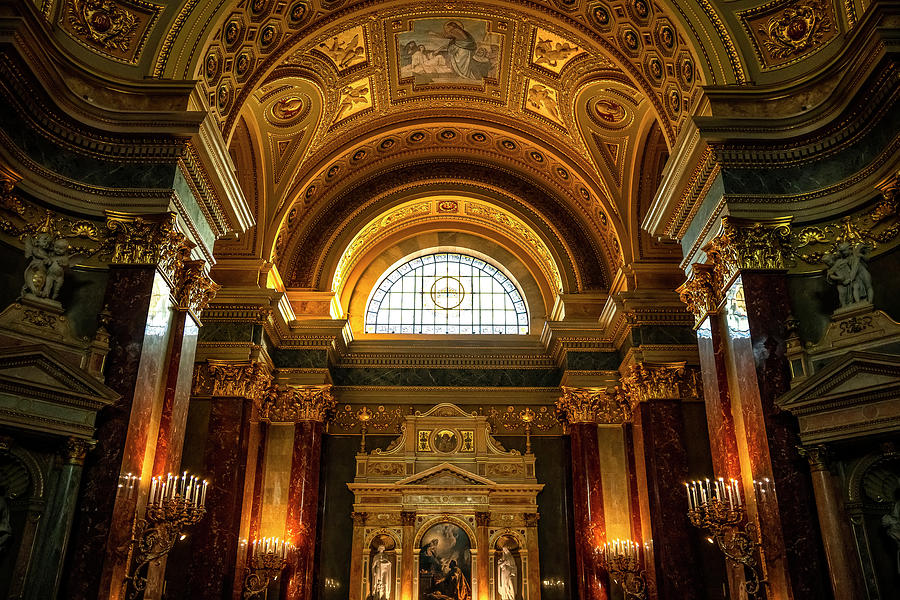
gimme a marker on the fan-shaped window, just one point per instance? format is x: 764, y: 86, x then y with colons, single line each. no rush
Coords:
x: 446, y: 293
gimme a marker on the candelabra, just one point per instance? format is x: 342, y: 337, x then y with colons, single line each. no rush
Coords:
x: 175, y: 503
x: 623, y: 560
x: 717, y: 506
x: 268, y: 558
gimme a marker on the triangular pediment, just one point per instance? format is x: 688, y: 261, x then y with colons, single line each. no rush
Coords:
x: 854, y: 375
x: 446, y: 475
x: 42, y: 369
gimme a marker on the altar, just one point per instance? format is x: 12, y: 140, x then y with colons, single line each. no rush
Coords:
x: 445, y: 513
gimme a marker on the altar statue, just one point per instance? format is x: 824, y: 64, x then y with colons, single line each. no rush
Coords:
x: 381, y: 575
x: 506, y: 575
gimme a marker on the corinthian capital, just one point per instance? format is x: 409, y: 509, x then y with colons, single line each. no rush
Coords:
x: 295, y: 403
x: 661, y: 382
x: 700, y: 293
x: 194, y: 288
x: 744, y: 244
x: 592, y: 405
x: 232, y: 379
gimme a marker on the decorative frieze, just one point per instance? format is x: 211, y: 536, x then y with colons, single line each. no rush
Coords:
x: 232, y: 379
x: 593, y: 405
x: 660, y: 382
x: 293, y: 403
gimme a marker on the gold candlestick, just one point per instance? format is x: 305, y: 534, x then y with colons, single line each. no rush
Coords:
x: 718, y: 507
x: 624, y: 559
x: 268, y: 559
x: 175, y: 503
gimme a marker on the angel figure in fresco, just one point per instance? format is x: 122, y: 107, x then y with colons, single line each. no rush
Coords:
x: 506, y: 575
x: 381, y: 575
x: 351, y: 96
x: 343, y: 53
x: 539, y: 96
x: 550, y: 54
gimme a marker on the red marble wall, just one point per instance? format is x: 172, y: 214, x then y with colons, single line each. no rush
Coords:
x: 303, y: 509
x: 587, y: 500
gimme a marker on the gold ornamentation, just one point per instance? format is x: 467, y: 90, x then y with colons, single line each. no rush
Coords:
x: 746, y: 244
x: 292, y: 404
x: 660, y: 382
x: 817, y: 456
x: 346, y: 49
x: 39, y: 318
x: 139, y: 240
x: 385, y: 468
x: 553, y: 52
x: 593, y: 405
x: 796, y: 30
x: 103, y: 22
x: 194, y: 289
x: 543, y: 100
x: 873, y: 228
x: 76, y: 449
x: 380, y: 419
x: 511, y: 419
x: 699, y: 293
x: 244, y: 380
x: 354, y: 98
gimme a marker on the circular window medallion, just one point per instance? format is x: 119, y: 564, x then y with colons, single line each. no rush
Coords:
x: 447, y: 293
x: 445, y: 441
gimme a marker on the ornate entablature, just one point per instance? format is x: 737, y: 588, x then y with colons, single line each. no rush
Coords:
x: 444, y: 490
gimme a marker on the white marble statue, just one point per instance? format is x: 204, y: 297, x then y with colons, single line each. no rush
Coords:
x: 848, y: 271
x: 506, y: 575
x: 381, y: 575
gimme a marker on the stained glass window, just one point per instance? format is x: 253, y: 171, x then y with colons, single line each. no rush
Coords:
x: 446, y: 292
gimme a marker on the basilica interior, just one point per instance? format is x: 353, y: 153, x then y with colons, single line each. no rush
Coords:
x: 449, y: 300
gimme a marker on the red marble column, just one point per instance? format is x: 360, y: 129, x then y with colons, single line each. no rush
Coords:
x: 587, y: 499
x: 216, y: 539
x: 757, y: 308
x: 303, y: 509
x: 659, y: 447
x: 139, y: 326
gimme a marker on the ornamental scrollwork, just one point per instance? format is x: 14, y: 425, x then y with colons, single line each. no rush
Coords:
x: 511, y: 419
x: 351, y: 417
x: 660, y: 382
x: 103, y: 22
x: 194, y: 289
x: 593, y: 405
x: 232, y: 379
x: 796, y: 29
x: 293, y: 404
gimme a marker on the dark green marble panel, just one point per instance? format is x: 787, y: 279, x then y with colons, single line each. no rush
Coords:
x: 661, y: 335
x: 447, y: 377
x: 286, y: 358
x: 592, y: 361
x: 220, y: 331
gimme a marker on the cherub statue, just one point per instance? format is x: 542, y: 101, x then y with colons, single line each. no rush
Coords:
x: 37, y: 248
x: 56, y: 263
x: 847, y: 270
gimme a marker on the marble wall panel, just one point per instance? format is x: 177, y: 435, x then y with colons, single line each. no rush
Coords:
x: 448, y: 377
x: 616, y: 497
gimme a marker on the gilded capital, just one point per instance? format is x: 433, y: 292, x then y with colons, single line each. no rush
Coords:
x: 408, y: 518
x: 295, y: 403
x: 75, y: 450
x: 134, y: 240
x: 482, y: 519
x: 816, y: 455
x: 232, y: 379
x: 359, y: 518
x: 660, y: 382
x: 744, y: 244
x: 592, y: 405
x: 700, y: 293
x: 194, y: 289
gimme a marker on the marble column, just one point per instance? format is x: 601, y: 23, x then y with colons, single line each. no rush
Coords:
x: 843, y: 562
x: 310, y: 406
x: 748, y: 263
x: 407, y: 568
x: 57, y: 522
x: 232, y: 389
x: 482, y: 521
x: 656, y: 392
x: 583, y: 408
x: 139, y: 324
x: 587, y: 498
